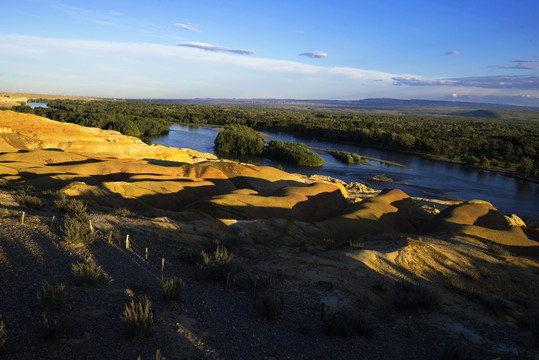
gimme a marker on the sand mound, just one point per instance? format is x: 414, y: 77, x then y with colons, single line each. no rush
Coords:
x: 481, y: 220
x: 308, y: 202
x: 392, y: 210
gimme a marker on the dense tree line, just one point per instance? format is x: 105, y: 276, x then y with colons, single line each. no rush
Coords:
x: 479, y: 141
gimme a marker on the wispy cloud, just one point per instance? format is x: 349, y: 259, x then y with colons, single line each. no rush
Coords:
x: 315, y: 54
x: 525, y: 64
x: 215, y: 48
x: 488, y: 82
x: 106, y: 18
x: 454, y: 52
x: 187, y: 27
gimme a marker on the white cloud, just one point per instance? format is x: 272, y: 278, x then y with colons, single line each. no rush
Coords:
x: 315, y: 54
x: 187, y: 27
x: 215, y: 48
x: 454, y: 52
x: 120, y: 69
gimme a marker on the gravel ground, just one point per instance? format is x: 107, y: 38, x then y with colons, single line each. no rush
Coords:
x: 212, y: 321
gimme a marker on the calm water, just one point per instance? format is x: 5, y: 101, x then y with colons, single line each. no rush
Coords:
x: 34, y: 105
x: 427, y: 178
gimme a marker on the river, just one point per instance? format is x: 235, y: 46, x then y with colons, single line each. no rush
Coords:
x: 425, y: 177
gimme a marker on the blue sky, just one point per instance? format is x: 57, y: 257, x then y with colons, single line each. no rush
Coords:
x: 470, y: 50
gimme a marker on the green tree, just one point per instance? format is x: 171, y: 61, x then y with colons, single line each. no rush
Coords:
x: 239, y: 140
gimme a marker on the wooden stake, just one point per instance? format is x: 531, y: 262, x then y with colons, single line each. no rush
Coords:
x: 146, y: 253
x: 52, y: 221
x: 110, y: 237
x: 127, y: 242
x: 22, y: 218
x: 91, y: 227
x: 162, y: 265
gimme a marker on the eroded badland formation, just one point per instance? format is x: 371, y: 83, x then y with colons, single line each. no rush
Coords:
x: 424, y: 275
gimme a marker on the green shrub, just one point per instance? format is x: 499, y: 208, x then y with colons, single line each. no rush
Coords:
x: 51, y: 297
x: 346, y: 323
x: 124, y: 212
x: 268, y: 307
x: 216, y: 267
x: 3, y: 335
x: 28, y: 201
x: 70, y: 205
x: 293, y: 153
x: 138, y: 317
x: 87, y: 272
x: 346, y: 157
x: 55, y: 328
x: 77, y: 229
x: 239, y: 140
x: 456, y: 350
x: 410, y: 296
x: 172, y: 289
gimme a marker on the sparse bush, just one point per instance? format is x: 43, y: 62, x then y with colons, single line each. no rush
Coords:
x: 70, y: 205
x: 77, y: 230
x: 87, y: 272
x: 411, y: 296
x: 456, y: 350
x: 498, y: 249
x: 247, y: 281
x: 125, y: 212
x: 51, y: 297
x: 268, y: 307
x: 138, y: 317
x: 3, y: 335
x: 4, y: 213
x: 530, y: 322
x: 56, y: 328
x: 470, y: 273
x: 29, y: 201
x: 346, y: 323
x: 172, y: 289
x: 455, y: 282
x: 158, y: 356
x: 216, y: 267
x: 136, y: 289
x: 190, y: 256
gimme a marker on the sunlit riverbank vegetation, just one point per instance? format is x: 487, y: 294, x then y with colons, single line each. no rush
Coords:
x: 478, y: 141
